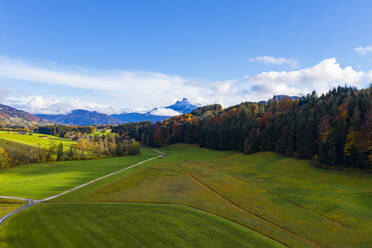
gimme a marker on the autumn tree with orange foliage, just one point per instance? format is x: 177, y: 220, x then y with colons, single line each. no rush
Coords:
x: 334, y: 129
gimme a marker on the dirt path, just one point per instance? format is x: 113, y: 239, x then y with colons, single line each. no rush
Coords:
x: 31, y: 202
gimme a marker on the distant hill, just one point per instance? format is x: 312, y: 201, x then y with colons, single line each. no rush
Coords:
x: 85, y: 118
x: 15, y: 117
x: 281, y: 97
x: 333, y: 129
x: 81, y: 117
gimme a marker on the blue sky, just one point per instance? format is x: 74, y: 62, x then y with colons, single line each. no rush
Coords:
x: 113, y: 55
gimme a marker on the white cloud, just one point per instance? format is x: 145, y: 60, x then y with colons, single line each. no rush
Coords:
x: 3, y: 94
x: 275, y: 61
x: 126, y: 90
x: 363, y: 50
x: 321, y: 77
x: 53, y: 105
x: 136, y: 88
x: 224, y: 87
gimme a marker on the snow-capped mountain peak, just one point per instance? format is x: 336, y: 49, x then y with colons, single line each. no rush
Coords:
x: 164, y: 112
x: 95, y: 117
x: 183, y: 106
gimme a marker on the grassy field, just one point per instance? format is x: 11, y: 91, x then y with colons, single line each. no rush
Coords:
x: 7, y: 206
x: 35, y: 139
x: 38, y: 181
x: 126, y: 225
x: 284, y: 200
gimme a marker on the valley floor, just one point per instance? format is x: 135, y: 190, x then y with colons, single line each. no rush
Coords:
x: 192, y: 198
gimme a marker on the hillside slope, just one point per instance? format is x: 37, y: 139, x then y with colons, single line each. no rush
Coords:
x: 15, y: 117
x: 81, y: 117
x: 272, y: 198
x: 333, y: 129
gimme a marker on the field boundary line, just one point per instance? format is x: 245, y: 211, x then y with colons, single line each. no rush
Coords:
x: 253, y: 213
x: 182, y: 205
x: 286, y: 199
x: 357, y: 193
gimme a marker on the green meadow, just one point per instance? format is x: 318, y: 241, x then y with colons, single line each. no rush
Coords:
x: 193, y: 197
x: 42, y: 180
x: 9, y: 205
x: 127, y: 225
x: 35, y: 139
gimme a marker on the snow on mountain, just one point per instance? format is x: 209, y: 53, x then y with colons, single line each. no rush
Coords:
x: 86, y: 117
x: 164, y: 112
x: 183, y: 106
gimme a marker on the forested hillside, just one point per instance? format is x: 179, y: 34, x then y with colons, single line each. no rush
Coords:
x: 11, y: 117
x: 334, y: 129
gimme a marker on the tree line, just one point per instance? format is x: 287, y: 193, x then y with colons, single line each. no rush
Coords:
x: 334, y: 129
x: 88, y: 147
x: 61, y: 130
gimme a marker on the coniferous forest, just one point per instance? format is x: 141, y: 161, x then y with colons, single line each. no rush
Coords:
x: 334, y: 129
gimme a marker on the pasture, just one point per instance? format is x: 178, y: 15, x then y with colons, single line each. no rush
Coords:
x: 126, y: 225
x: 41, y: 180
x: 35, y: 139
x: 8, y: 205
x: 264, y: 200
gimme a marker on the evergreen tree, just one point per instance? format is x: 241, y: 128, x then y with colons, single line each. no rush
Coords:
x: 60, y: 155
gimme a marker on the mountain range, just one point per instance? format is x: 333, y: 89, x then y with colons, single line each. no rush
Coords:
x: 85, y: 118
x: 14, y: 117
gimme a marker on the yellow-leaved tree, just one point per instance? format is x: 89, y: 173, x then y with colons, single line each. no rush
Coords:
x: 4, y: 159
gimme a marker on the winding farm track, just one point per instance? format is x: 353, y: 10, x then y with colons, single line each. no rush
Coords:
x: 31, y: 202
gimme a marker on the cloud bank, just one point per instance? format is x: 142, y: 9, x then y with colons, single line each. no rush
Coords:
x: 53, y: 105
x: 363, y: 50
x: 321, y: 77
x: 275, y: 61
x: 146, y: 90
